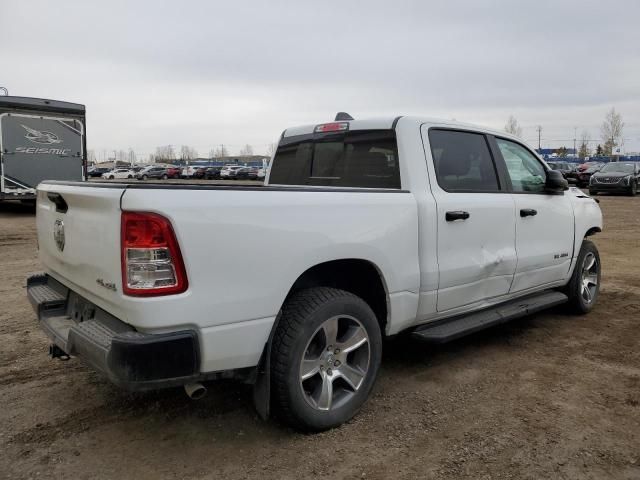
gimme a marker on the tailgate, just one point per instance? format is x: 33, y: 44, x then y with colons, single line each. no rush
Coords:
x: 79, y: 238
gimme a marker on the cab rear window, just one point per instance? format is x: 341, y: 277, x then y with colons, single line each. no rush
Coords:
x: 363, y: 159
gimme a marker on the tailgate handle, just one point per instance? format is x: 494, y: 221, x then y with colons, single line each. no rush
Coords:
x: 58, y: 201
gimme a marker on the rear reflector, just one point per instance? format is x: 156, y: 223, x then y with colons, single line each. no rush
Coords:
x: 332, y: 127
x: 151, y: 260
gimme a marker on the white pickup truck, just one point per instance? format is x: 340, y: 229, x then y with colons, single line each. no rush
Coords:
x: 363, y: 229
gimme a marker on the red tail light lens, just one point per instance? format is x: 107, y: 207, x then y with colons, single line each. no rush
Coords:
x: 152, y: 264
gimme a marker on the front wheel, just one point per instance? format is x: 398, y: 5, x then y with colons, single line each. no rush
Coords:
x: 325, y: 357
x: 144, y: 177
x: 584, y: 286
x: 633, y: 190
x: 164, y: 177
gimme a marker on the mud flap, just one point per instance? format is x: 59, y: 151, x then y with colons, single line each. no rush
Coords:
x: 262, y: 385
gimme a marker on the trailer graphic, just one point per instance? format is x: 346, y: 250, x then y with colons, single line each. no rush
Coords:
x: 39, y: 140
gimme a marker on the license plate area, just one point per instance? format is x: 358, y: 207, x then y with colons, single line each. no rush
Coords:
x: 79, y: 309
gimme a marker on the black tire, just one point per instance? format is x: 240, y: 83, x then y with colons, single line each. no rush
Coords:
x: 592, y: 192
x: 164, y: 177
x: 130, y: 176
x: 300, y: 323
x: 633, y: 190
x: 111, y: 177
x: 578, y: 300
x: 144, y: 177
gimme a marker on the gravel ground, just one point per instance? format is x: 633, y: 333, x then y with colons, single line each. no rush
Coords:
x: 552, y: 396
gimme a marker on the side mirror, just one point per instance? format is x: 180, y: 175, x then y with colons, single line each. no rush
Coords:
x: 555, y: 183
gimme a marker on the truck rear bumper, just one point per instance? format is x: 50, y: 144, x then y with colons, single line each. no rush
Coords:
x: 130, y: 359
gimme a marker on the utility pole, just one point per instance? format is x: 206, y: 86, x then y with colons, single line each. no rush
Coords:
x: 539, y: 129
x: 575, y: 133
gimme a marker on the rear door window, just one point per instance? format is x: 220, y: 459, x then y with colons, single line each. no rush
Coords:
x: 463, y: 161
x: 364, y: 159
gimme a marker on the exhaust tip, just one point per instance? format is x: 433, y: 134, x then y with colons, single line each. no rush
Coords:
x: 195, y: 391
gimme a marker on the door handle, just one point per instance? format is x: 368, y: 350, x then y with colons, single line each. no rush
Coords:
x: 528, y: 212
x: 456, y: 215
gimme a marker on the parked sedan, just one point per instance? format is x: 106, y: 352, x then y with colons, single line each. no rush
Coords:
x: 118, y: 173
x: 212, y: 173
x: 152, y: 172
x: 584, y: 175
x: 174, y: 172
x: 97, y: 172
x: 229, y: 172
x: 567, y: 169
x: 246, y: 173
x: 620, y: 177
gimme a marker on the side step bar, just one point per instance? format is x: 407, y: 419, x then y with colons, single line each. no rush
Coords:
x: 443, y: 331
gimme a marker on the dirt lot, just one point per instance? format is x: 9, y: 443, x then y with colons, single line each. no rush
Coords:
x: 554, y: 396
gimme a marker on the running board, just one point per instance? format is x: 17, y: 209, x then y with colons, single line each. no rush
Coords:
x: 449, y: 329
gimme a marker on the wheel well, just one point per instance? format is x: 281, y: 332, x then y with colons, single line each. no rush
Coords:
x: 359, y: 277
x: 592, y: 231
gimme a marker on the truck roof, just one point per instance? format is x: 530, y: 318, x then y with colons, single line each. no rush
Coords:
x: 385, y: 123
x: 41, y: 104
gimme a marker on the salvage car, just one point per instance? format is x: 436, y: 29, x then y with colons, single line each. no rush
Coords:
x: 620, y: 177
x: 372, y: 227
x: 584, y: 174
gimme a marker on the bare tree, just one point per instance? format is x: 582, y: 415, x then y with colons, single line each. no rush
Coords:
x: 246, y: 150
x: 512, y: 127
x: 221, y: 151
x: 583, y: 149
x: 165, y: 153
x: 611, y: 130
x: 188, y: 153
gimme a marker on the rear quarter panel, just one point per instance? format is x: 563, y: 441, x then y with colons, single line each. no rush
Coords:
x: 243, y: 250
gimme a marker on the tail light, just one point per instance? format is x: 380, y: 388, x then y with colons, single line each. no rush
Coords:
x: 151, y: 260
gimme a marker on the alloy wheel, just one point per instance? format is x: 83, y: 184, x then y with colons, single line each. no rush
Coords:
x: 589, y: 277
x: 335, y: 363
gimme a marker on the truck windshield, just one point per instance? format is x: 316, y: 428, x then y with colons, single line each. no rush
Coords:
x: 361, y: 158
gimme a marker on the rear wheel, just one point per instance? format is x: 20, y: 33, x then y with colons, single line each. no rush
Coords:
x: 584, y: 286
x: 325, y: 357
x: 164, y: 177
x: 144, y: 177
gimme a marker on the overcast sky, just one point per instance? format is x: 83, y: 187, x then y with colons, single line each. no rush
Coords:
x: 202, y: 73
